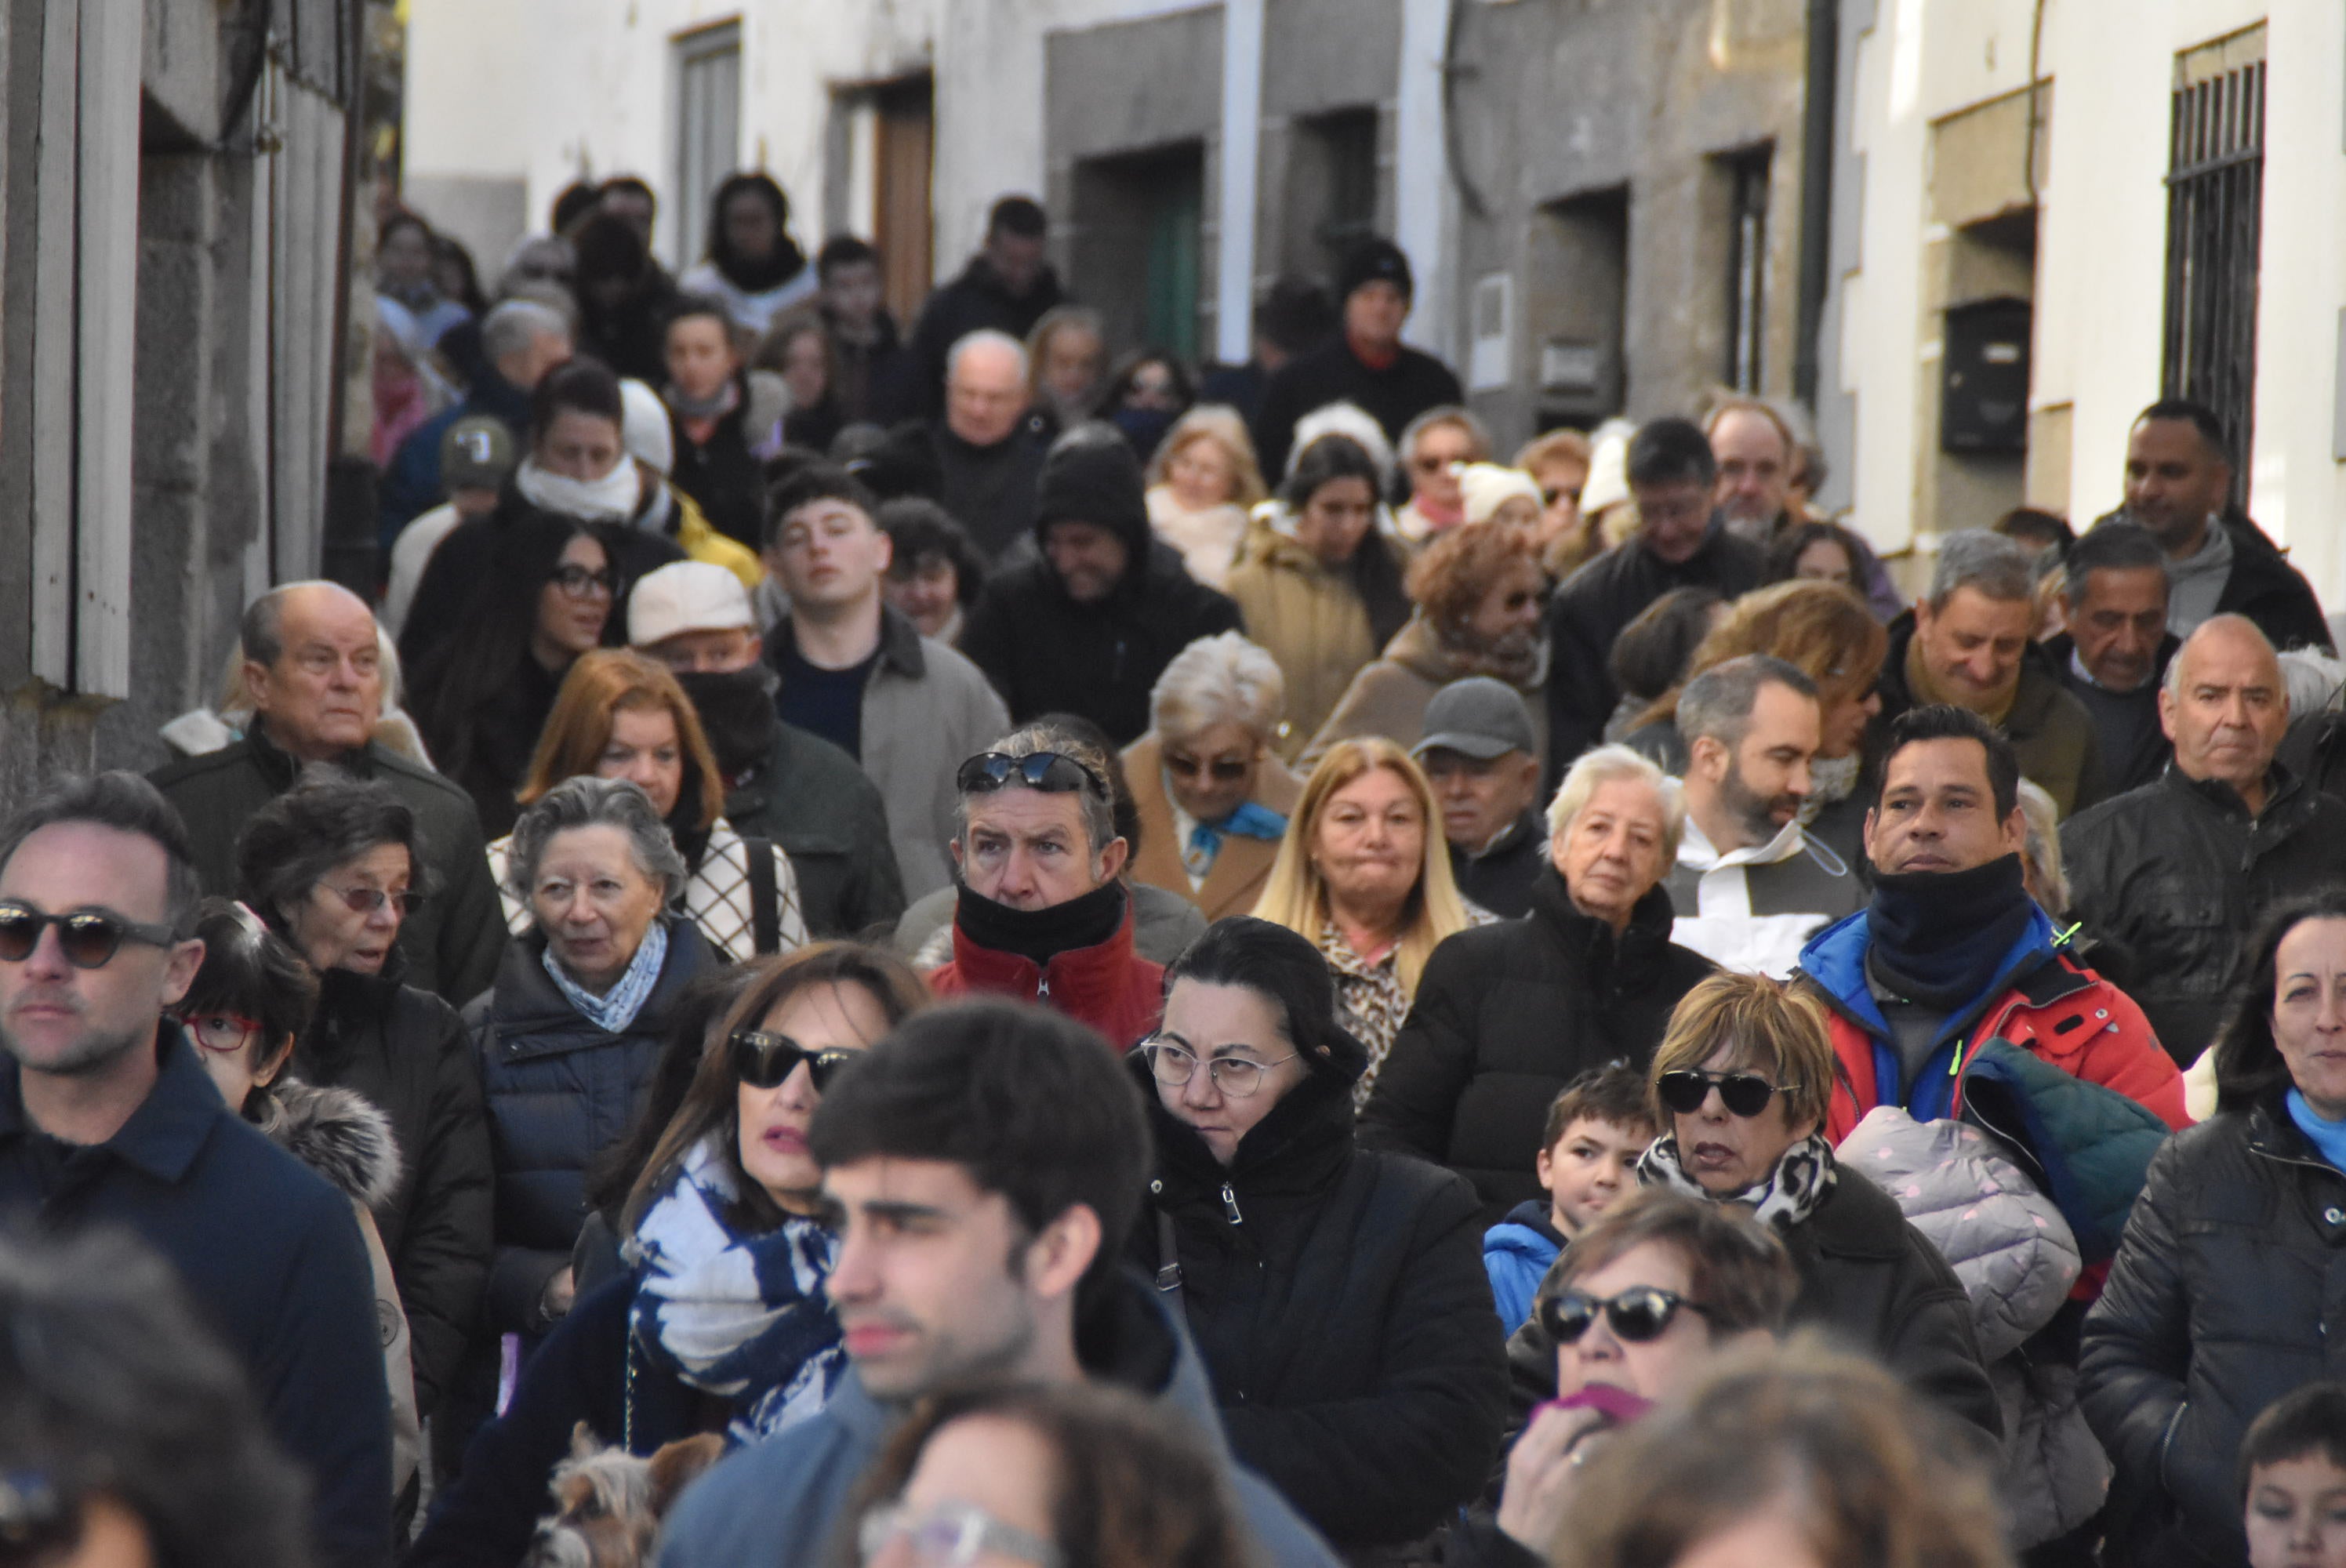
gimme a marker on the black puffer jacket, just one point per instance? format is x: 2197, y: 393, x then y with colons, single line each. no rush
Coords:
x: 2231, y: 1276
x: 1868, y: 1278
x: 1506, y: 1015
x: 1339, y: 1300
x: 2178, y: 873
x: 559, y: 1092
x: 407, y: 1053
x: 1046, y: 652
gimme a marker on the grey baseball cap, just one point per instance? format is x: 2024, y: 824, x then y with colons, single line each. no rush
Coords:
x: 1479, y: 718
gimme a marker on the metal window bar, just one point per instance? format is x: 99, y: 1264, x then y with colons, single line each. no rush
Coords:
x: 2214, y: 235
x: 1747, y: 268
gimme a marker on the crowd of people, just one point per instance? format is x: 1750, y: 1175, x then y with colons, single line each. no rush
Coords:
x: 980, y: 946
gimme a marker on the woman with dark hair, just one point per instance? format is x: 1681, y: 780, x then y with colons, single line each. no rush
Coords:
x: 333, y: 866
x: 749, y: 263
x: 624, y: 296
x: 1073, y: 1473
x: 1649, y: 659
x: 934, y: 574
x: 707, y: 405
x: 481, y: 699
x: 799, y: 351
x: 1336, y: 1294
x: 1318, y: 581
x: 719, y: 1322
x: 243, y: 1011
x: 2221, y: 1299
x: 1147, y: 391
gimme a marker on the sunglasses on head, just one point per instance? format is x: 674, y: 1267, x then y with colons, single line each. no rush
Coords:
x: 1052, y: 772
x: 1640, y: 1313
x: 1743, y: 1094
x: 765, y: 1061
x: 88, y: 938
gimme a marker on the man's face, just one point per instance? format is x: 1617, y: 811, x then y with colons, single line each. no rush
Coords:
x: 1673, y: 517
x: 68, y: 1021
x: 985, y: 394
x: 1754, y: 467
x: 1480, y: 797
x: 750, y: 225
x: 852, y: 292
x: 1761, y: 783
x: 1027, y: 848
x: 1374, y: 314
x: 709, y: 653
x: 545, y: 350
x: 634, y: 206
x: 700, y: 358
x: 473, y: 501
x: 2119, y: 625
x: 1973, y: 646
x: 930, y: 1285
x: 1591, y: 1168
x: 1090, y: 560
x: 324, y: 694
x: 1431, y: 481
x: 581, y: 445
x: 1937, y: 811
x: 828, y: 554
x: 2227, y: 708
x: 2173, y: 480
x: 1017, y: 260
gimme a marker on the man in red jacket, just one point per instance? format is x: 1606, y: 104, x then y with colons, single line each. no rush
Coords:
x: 1039, y: 913
x: 1951, y: 951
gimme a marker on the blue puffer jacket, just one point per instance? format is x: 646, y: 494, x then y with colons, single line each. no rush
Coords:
x: 559, y: 1092
x: 1517, y: 1253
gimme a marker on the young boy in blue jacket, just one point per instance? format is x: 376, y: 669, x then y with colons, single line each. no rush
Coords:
x: 1596, y: 1129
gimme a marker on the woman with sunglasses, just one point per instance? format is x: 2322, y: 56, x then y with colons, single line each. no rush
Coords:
x: 248, y: 1002
x: 1479, y: 594
x: 719, y: 1322
x: 334, y: 867
x: 1434, y: 446
x: 1213, y: 799
x: 1337, y: 1295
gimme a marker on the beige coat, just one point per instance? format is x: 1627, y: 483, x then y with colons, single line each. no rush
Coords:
x: 1311, y: 621
x: 1388, y: 697
x: 1241, y: 867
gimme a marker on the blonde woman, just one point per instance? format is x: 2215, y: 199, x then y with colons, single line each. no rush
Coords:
x: 1364, y: 875
x: 1203, y: 484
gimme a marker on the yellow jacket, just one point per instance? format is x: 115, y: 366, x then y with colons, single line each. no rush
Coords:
x: 699, y: 540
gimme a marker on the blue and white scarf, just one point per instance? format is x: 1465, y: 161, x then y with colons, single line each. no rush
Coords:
x: 741, y: 1317
x: 1251, y: 819
x: 616, y: 1008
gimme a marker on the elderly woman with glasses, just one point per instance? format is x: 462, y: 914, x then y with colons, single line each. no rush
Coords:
x: 1336, y: 1295
x: 568, y: 1038
x: 718, y: 1322
x: 1213, y: 798
x: 1740, y: 1083
x: 334, y: 867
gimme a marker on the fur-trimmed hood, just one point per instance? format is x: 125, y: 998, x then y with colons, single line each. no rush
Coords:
x: 337, y: 1132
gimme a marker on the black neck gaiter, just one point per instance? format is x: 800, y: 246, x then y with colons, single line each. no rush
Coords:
x: 1938, y: 936
x: 1040, y: 934
x: 737, y: 709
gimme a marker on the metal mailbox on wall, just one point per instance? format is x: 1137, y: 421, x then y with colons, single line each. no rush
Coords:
x: 1983, y: 378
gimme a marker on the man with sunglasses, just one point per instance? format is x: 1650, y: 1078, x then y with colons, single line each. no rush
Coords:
x: 1950, y: 952
x: 312, y: 663
x: 985, y: 1163
x: 1040, y: 913
x: 108, y: 1120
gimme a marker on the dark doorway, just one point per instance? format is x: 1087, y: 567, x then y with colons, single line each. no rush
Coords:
x: 1136, y: 243
x: 1579, y: 293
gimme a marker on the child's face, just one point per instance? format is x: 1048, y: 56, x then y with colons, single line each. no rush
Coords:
x: 1591, y: 1168
x: 2297, y: 1514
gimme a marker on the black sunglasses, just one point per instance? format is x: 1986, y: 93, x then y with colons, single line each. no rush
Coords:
x: 88, y: 938
x: 1227, y: 769
x: 366, y: 900
x: 1638, y: 1314
x: 1743, y: 1094
x: 1052, y: 772
x: 766, y: 1061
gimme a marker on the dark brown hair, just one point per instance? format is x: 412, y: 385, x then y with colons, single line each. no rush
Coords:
x: 2248, y: 1065
x: 1613, y: 1093
x: 1737, y: 1270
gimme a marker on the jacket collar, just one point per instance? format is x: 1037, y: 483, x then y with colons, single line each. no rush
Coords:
x: 279, y: 768
x: 1080, y: 979
x: 1649, y: 922
x: 1835, y: 959
x: 171, y: 1126
x: 2281, y: 788
x: 1696, y: 852
x: 900, y: 639
x: 1299, y: 1146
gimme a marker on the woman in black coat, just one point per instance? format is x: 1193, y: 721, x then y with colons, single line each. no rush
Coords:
x: 1337, y: 1296
x: 1507, y: 1014
x: 2231, y: 1272
x: 331, y: 866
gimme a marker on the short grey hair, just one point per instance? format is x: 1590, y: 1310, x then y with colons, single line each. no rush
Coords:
x: 513, y: 326
x: 1435, y: 418
x: 587, y: 801
x: 1718, y: 703
x: 1986, y: 563
x: 2042, y: 846
x: 1609, y: 764
x: 983, y: 337
x: 2313, y: 677
x: 1100, y: 811
x: 1219, y: 679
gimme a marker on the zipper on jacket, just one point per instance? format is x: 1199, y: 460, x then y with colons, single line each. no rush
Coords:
x: 1231, y: 1205
x: 1043, y: 987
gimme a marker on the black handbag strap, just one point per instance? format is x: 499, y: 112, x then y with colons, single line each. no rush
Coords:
x: 765, y: 898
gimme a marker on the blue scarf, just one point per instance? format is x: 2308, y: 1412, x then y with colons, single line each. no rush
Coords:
x: 2328, y: 1137
x: 616, y: 1008
x: 741, y: 1317
x: 1251, y: 820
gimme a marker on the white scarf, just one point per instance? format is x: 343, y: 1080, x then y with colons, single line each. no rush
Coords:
x: 610, y: 499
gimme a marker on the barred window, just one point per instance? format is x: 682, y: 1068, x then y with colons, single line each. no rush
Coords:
x: 2214, y: 203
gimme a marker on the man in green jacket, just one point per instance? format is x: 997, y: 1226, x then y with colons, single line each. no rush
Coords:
x: 313, y: 667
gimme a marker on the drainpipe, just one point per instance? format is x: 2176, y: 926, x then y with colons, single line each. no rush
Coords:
x: 1822, y: 87
x: 1242, y: 23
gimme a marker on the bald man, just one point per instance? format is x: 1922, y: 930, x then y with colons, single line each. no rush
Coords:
x: 313, y: 667
x: 987, y: 444
x: 2182, y: 868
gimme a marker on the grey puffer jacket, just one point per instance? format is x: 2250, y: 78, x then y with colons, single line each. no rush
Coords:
x: 2016, y: 1257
